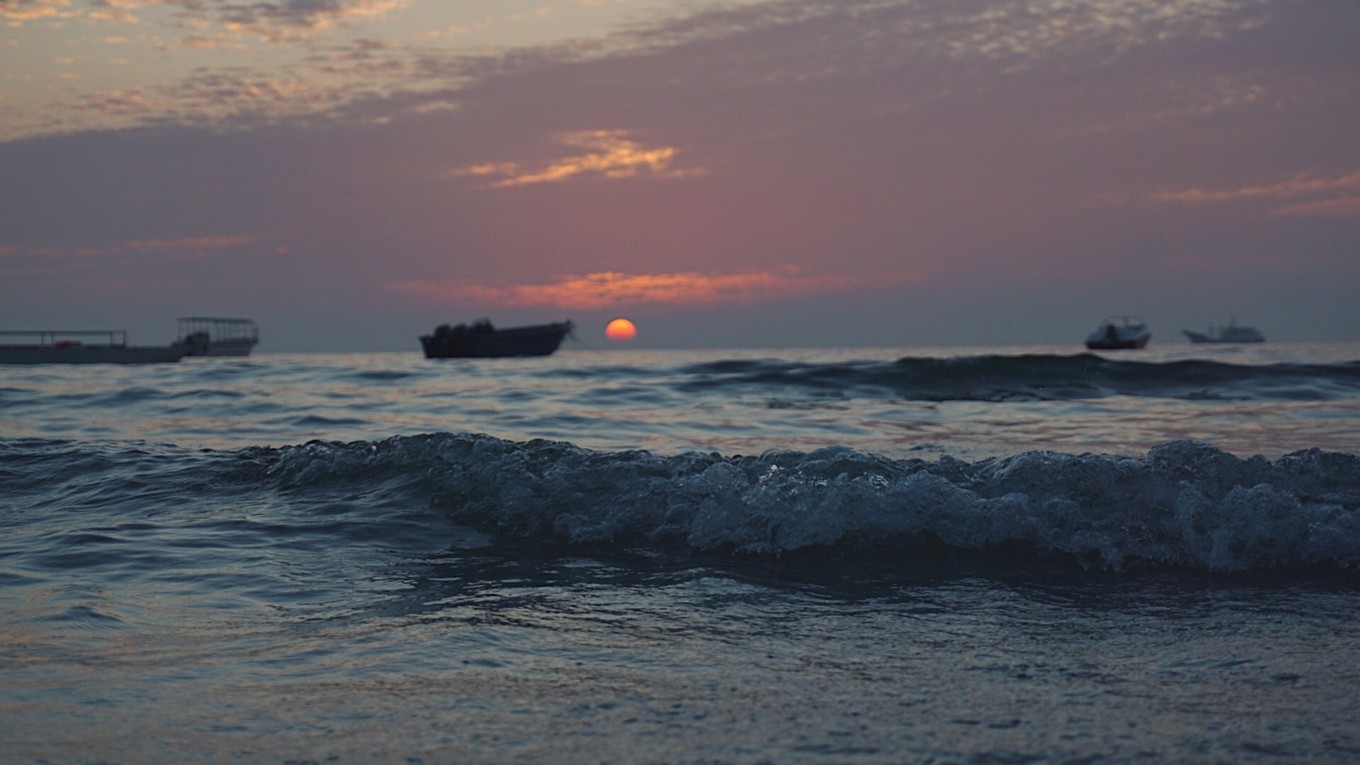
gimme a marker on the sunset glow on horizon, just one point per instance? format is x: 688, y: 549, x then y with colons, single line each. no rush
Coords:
x: 609, y: 289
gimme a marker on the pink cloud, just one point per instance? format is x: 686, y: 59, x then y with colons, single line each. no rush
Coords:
x: 1298, y: 186
x: 608, y: 289
x: 191, y: 245
x: 1341, y: 207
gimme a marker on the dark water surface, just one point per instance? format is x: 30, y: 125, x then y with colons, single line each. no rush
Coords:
x: 819, y: 557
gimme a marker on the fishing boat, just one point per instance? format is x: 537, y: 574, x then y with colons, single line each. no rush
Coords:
x: 226, y: 337
x: 482, y: 340
x: 1233, y: 333
x: 1119, y: 333
x: 108, y: 346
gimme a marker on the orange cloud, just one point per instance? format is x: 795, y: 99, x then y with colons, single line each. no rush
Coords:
x: 609, y: 289
x: 614, y: 155
x: 16, y: 13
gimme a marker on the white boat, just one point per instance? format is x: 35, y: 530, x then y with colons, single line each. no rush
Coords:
x: 226, y: 337
x: 1119, y: 333
x: 1229, y: 334
x: 107, y: 346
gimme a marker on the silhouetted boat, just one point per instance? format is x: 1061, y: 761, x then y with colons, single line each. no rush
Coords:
x: 226, y: 337
x: 91, y: 347
x: 1229, y: 334
x: 1119, y: 333
x: 481, y: 340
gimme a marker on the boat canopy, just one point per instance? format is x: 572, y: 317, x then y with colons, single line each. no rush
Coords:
x: 219, y: 328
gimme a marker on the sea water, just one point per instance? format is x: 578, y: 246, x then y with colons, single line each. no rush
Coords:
x: 780, y: 556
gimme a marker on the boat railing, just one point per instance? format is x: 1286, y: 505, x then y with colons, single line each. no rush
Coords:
x: 219, y: 328
x: 56, y: 338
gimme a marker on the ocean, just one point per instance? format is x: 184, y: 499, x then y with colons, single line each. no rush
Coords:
x: 935, y: 555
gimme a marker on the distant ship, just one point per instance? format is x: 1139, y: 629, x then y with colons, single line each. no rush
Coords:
x: 1119, y: 333
x: 1229, y: 334
x: 481, y: 340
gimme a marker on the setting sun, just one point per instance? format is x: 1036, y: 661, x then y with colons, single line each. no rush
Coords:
x: 620, y: 330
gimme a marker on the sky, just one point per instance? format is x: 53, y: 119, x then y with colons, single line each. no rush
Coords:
x: 763, y: 173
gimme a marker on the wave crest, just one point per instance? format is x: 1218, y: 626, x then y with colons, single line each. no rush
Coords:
x: 1184, y: 504
x: 1039, y: 377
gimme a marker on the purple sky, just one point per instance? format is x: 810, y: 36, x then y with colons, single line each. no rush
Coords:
x: 900, y: 172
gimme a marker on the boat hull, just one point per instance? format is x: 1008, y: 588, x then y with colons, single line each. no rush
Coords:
x: 483, y: 342
x: 1118, y: 345
x: 1225, y: 338
x: 1119, y: 333
x: 92, y: 354
x: 227, y: 348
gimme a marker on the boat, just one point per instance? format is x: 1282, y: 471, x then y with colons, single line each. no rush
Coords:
x: 1119, y: 333
x: 226, y: 337
x: 482, y: 340
x: 1229, y: 334
x: 105, y: 346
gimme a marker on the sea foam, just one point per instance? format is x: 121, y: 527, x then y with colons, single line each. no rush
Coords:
x: 1184, y: 504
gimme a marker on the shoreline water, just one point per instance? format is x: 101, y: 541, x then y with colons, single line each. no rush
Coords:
x: 683, y: 558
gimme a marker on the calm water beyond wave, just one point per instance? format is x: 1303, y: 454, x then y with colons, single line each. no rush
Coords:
x: 856, y: 556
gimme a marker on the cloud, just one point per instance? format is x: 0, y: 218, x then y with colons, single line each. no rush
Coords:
x: 1340, y: 195
x: 193, y: 246
x: 273, y: 20
x: 1292, y: 188
x: 1341, y: 207
x: 610, y: 289
x: 283, y: 18
x: 614, y: 156
x: 211, y: 98
x: 16, y: 12
x: 854, y: 46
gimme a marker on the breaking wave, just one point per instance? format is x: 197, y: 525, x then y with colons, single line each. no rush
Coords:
x: 1185, y: 504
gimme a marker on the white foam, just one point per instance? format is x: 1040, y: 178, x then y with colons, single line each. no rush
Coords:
x: 1184, y: 504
